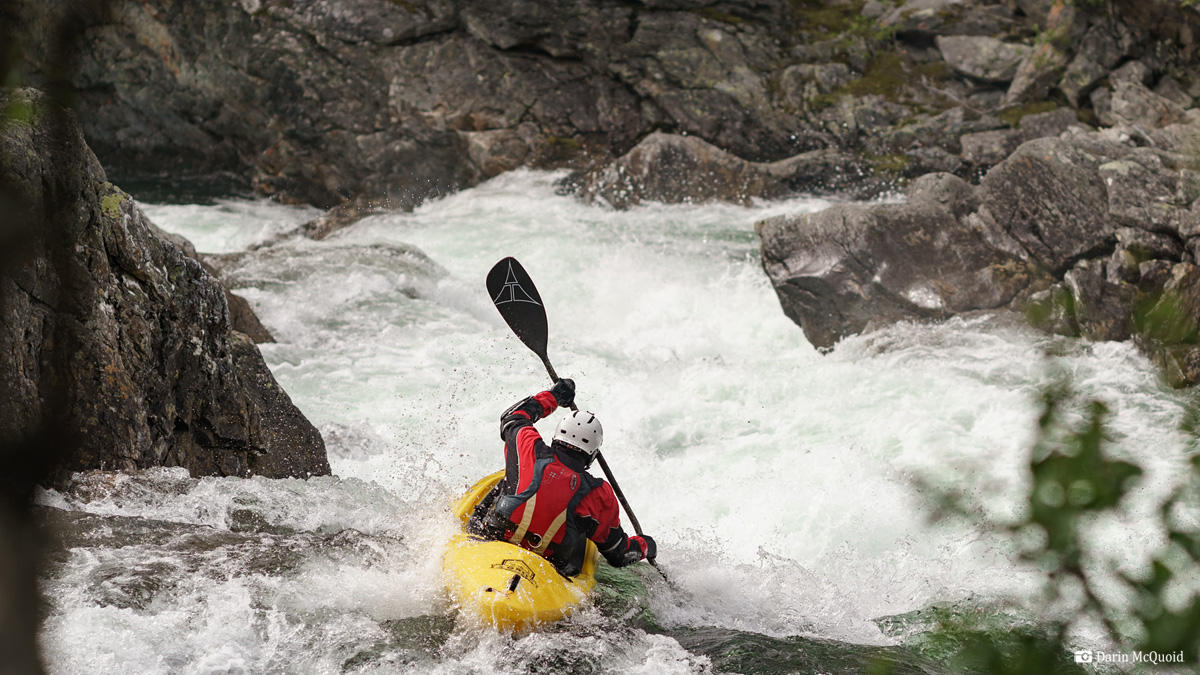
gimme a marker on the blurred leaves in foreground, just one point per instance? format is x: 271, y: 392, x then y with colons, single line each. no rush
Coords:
x: 1147, y: 613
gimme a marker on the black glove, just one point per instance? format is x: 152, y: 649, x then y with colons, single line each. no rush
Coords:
x: 649, y: 548
x: 564, y: 392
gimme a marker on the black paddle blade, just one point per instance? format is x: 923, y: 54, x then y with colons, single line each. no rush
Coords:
x: 517, y: 299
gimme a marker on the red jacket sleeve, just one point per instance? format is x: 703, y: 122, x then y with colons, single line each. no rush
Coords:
x: 521, y: 439
x: 601, y: 506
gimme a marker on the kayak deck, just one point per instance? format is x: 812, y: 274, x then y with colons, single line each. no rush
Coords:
x: 504, y: 585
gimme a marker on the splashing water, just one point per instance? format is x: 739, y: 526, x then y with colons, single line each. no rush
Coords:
x: 778, y: 482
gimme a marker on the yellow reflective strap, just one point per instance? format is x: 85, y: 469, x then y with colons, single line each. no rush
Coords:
x: 551, y: 532
x: 526, y: 518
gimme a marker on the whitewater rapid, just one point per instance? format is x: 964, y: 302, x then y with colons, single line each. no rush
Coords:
x: 780, y: 483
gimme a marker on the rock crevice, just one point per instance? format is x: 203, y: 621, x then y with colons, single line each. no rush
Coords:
x: 123, y: 333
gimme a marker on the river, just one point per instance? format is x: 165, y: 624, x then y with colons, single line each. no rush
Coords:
x: 782, y: 485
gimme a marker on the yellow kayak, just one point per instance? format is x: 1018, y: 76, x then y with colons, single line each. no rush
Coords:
x: 505, y: 585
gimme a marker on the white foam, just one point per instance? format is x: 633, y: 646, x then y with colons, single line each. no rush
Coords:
x: 780, y: 483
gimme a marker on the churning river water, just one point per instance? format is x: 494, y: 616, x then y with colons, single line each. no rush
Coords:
x: 781, y: 484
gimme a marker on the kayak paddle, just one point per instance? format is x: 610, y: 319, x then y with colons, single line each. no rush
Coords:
x: 518, y: 301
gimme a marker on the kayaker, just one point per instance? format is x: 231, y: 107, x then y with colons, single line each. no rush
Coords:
x: 547, y: 502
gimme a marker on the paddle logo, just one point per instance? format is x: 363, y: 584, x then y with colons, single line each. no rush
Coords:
x: 512, y: 291
x: 519, y: 567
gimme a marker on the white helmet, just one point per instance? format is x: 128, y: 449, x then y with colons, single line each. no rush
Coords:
x: 582, y: 431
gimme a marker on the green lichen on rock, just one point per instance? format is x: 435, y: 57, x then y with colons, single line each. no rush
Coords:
x: 1014, y: 115
x: 889, y: 75
x: 816, y: 15
x: 894, y: 163
x: 110, y: 203
x: 20, y: 111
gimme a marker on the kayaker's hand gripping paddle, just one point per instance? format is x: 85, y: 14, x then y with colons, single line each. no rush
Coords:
x: 516, y: 297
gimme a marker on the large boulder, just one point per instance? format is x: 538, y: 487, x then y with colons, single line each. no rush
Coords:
x: 1089, y: 235
x: 119, y: 337
x: 674, y: 169
x: 1050, y: 197
x: 852, y: 268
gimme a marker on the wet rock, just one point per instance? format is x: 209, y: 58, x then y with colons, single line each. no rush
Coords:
x: 1103, y: 309
x: 853, y: 268
x: 243, y: 320
x: 984, y: 58
x: 1169, y: 322
x: 321, y: 102
x: 346, y: 214
x: 496, y: 151
x: 673, y: 169
x: 132, y: 330
x: 1179, y: 364
x: 1053, y: 311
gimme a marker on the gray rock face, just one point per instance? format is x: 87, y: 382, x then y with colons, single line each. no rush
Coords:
x: 322, y: 101
x: 1090, y: 236
x: 126, y: 330
x: 673, y: 169
x: 1132, y: 103
x: 1050, y: 197
x: 853, y: 268
x: 984, y: 58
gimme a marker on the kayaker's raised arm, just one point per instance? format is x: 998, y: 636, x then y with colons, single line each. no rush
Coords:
x: 527, y: 411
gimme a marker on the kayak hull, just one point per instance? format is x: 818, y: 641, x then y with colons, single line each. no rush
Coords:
x: 506, y: 586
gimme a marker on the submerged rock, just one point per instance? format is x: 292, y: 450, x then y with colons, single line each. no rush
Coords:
x: 121, y: 337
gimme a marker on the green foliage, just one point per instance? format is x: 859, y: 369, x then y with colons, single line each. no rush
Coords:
x: 1073, y: 481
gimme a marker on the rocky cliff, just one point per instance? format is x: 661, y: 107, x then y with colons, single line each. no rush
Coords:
x: 373, y: 104
x: 116, y: 336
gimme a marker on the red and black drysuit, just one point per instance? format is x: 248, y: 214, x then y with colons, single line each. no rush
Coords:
x: 547, y: 502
